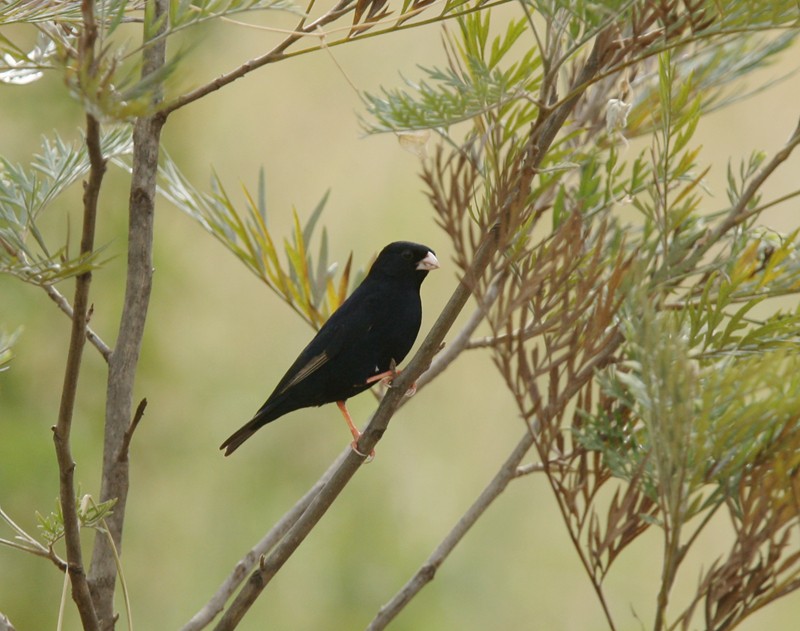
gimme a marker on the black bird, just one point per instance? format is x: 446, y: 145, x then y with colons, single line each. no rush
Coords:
x: 361, y: 342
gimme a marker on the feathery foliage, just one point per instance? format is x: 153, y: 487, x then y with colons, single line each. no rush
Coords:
x: 640, y: 325
x: 307, y: 283
x: 27, y: 191
x: 624, y: 327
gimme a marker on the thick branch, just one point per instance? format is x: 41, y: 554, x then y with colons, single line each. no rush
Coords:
x: 217, y: 602
x: 125, y: 357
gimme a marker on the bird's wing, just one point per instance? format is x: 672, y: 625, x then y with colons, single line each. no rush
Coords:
x: 304, y: 371
x: 343, y: 330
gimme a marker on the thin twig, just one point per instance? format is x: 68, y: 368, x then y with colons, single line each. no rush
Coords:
x: 27, y: 543
x: 63, y: 304
x: 426, y: 573
x: 303, y: 30
x: 278, y: 52
x: 737, y: 214
x: 137, y: 417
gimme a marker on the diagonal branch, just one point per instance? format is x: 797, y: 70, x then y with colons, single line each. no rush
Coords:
x: 277, y: 53
x: 737, y: 214
x: 315, y: 29
x: 542, y: 135
x: 217, y: 602
x: 507, y: 472
x: 63, y: 304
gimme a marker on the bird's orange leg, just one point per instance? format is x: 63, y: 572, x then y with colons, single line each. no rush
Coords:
x: 390, y: 375
x: 354, y: 431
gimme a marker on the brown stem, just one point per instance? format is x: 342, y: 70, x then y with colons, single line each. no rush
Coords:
x: 217, y: 602
x: 277, y: 53
x: 61, y: 431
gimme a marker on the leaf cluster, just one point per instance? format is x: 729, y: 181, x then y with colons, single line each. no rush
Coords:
x: 27, y: 191
x: 309, y: 285
x: 626, y: 329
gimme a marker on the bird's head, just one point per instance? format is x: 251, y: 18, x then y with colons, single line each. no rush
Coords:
x: 404, y: 258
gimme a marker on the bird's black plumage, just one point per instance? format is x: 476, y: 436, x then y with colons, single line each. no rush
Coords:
x: 371, y: 331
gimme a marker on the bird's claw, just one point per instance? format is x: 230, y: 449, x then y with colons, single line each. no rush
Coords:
x: 368, y: 458
x: 388, y: 376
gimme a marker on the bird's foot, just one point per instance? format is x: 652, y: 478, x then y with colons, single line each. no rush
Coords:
x: 368, y: 458
x: 388, y: 376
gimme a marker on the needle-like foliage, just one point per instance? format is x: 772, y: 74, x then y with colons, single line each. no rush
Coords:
x: 645, y: 328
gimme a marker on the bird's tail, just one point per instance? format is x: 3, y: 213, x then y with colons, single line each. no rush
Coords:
x: 271, y: 410
x: 233, y: 441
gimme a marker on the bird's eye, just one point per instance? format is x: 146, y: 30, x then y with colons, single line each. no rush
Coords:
x: 407, y: 255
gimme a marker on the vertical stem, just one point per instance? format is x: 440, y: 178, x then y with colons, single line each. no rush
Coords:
x: 124, y: 359
x: 61, y: 431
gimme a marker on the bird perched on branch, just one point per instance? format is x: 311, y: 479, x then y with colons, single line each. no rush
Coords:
x: 361, y: 342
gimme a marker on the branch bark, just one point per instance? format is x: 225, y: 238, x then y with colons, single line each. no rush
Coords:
x: 62, y: 429
x: 61, y: 432
x: 125, y: 357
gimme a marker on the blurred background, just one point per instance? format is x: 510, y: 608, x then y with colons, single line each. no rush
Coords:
x: 217, y: 341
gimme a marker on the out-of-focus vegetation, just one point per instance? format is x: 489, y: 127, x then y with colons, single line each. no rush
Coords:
x: 217, y: 339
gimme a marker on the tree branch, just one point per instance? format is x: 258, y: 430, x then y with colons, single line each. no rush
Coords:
x: 314, y: 29
x: 277, y: 53
x: 125, y: 357
x: 63, y: 304
x: 61, y: 431
x: 507, y: 472
x: 224, y: 592
x: 217, y: 602
x: 737, y: 214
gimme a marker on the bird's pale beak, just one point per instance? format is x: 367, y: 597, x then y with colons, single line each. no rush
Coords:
x: 428, y: 263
